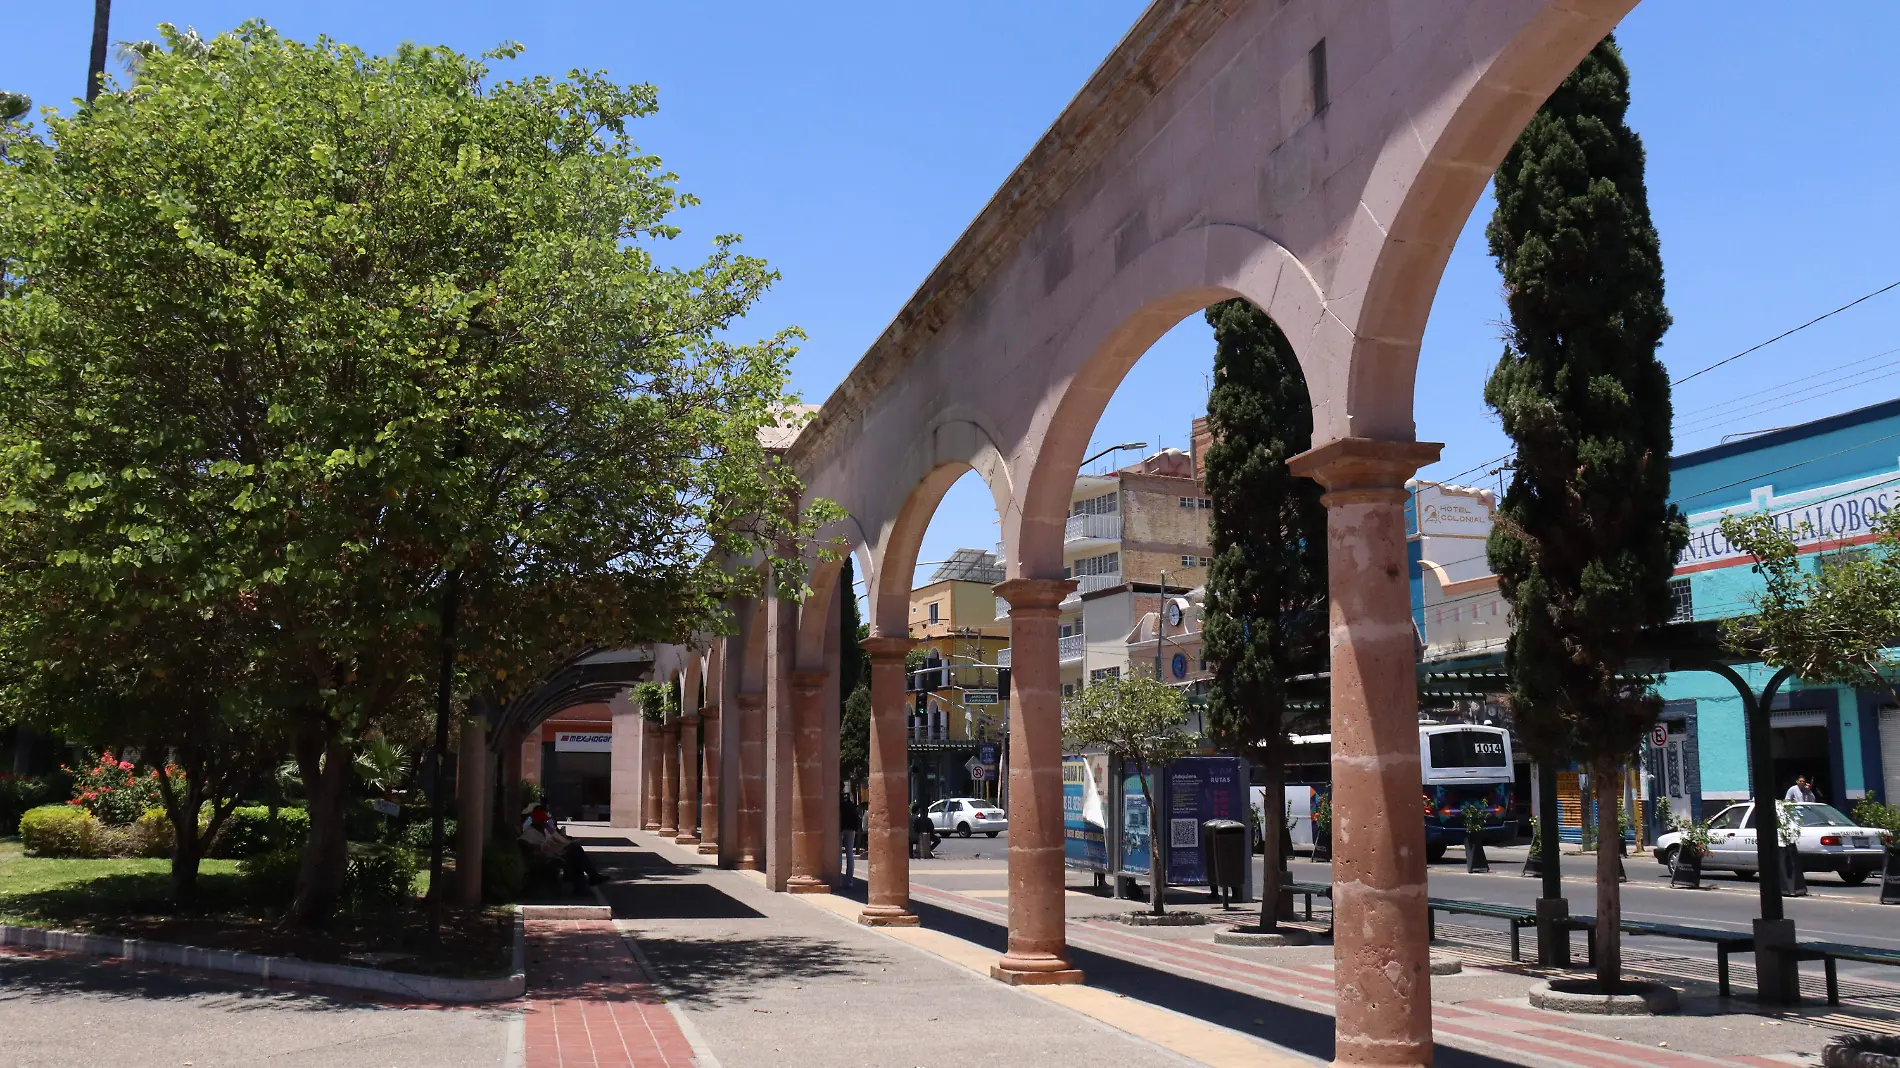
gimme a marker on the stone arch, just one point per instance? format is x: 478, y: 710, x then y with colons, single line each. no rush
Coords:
x: 1173, y: 279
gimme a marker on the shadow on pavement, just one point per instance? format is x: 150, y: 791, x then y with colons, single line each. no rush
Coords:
x: 44, y: 977
x: 1302, y: 1030
x: 675, y: 901
x: 721, y: 968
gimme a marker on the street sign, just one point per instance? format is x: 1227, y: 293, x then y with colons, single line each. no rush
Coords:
x: 979, y: 697
x: 979, y: 772
x: 1659, y: 736
x: 986, y: 754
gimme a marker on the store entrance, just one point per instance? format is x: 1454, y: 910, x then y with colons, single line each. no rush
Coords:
x: 1803, y: 750
x: 579, y: 786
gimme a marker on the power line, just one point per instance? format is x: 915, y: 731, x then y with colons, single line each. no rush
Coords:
x: 1784, y: 333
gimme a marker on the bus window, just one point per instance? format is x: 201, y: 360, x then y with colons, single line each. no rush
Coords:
x: 1468, y: 749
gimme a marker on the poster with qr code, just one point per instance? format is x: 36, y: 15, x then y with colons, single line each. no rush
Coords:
x: 1184, y: 834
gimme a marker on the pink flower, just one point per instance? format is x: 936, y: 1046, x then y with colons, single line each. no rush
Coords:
x: 125, y: 765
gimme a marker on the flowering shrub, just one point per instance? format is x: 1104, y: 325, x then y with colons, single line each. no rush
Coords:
x: 59, y: 831
x: 116, y: 791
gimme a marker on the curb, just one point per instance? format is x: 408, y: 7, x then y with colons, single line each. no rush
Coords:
x: 282, y: 969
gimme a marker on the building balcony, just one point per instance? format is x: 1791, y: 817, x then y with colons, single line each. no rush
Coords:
x: 1069, y: 650
x: 1002, y: 657
x: 1093, y: 528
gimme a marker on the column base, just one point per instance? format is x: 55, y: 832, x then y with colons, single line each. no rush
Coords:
x: 710, y: 849
x: 686, y: 839
x: 666, y: 832
x: 886, y: 916
x: 1064, y: 977
x: 805, y: 884
x: 650, y: 825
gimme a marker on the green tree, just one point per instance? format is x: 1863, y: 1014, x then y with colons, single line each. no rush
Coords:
x: 1265, y: 617
x: 1585, y: 539
x: 1836, y: 623
x: 1140, y: 721
x: 411, y: 329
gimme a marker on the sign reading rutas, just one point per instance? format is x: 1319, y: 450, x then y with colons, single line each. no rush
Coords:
x: 1829, y: 517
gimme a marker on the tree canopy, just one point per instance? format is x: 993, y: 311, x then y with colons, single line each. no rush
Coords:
x: 1142, y: 721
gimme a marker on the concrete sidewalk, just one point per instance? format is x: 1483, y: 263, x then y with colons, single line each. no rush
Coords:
x: 771, y: 979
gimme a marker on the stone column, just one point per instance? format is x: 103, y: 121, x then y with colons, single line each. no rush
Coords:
x: 808, y: 786
x: 781, y: 716
x: 1381, y: 951
x: 650, y: 773
x: 1038, y: 945
x: 751, y: 780
x: 531, y: 761
x: 669, y: 776
x: 627, y: 786
x: 887, y: 822
x: 471, y: 797
x: 709, y: 775
x: 689, y: 780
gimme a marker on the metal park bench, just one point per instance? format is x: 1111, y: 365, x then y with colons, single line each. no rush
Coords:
x: 1518, y: 918
x: 1725, y: 942
x: 1829, y: 952
x: 1310, y: 891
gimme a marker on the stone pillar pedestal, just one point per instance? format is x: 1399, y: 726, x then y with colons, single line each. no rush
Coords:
x: 1553, y: 941
x: 751, y: 781
x: 1777, y: 972
x: 887, y: 821
x: 808, y: 786
x: 709, y: 780
x: 1381, y: 940
x: 689, y: 782
x: 669, y: 777
x: 1038, y: 943
x: 650, y: 774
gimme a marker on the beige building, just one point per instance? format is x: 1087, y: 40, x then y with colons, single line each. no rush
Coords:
x: 1460, y: 609
x: 953, y: 616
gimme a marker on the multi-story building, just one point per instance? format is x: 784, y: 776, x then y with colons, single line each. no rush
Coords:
x: 1136, y: 538
x: 958, y: 699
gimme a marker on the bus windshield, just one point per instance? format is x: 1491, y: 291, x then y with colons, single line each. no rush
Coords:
x: 1467, y: 749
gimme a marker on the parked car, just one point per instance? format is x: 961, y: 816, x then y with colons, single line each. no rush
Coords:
x: 1829, y: 841
x: 966, y: 816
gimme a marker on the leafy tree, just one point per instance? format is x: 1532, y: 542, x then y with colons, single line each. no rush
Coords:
x: 1836, y: 623
x: 1139, y: 720
x: 14, y: 106
x: 411, y: 329
x: 1265, y: 618
x: 1585, y: 540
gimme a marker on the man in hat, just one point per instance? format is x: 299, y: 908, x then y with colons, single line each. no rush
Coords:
x: 541, y: 836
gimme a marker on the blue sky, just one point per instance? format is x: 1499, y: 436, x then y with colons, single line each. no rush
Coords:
x: 851, y: 142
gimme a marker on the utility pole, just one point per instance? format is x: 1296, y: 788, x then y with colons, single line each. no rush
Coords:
x: 1161, y: 623
x: 96, y: 71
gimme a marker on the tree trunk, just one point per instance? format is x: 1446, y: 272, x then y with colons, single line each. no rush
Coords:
x: 1157, y: 859
x: 1272, y: 832
x: 1609, y: 932
x: 187, y: 851
x: 326, y: 855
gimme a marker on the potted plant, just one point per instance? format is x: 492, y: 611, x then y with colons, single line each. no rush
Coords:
x: 1534, y: 860
x: 1474, y: 812
x: 1323, y: 828
x: 1686, y: 872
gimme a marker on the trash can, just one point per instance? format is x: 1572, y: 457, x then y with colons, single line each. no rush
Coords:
x: 1224, y: 844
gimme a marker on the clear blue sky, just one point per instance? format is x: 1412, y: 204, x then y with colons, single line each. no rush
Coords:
x: 851, y: 142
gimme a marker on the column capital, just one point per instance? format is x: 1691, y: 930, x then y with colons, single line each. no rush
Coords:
x: 1364, y: 465
x: 709, y: 710
x: 808, y: 681
x: 1033, y: 595
x: 888, y: 647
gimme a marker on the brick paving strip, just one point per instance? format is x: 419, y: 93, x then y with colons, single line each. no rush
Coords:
x: 590, y: 1005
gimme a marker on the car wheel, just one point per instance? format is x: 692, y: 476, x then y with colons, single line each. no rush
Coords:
x: 1435, y: 851
x: 992, y: 834
x: 963, y: 829
x: 1745, y: 876
x: 1855, y: 876
x: 1669, y: 858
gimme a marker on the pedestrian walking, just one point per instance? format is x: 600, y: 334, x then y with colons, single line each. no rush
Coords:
x: 849, y: 824
x: 1802, y: 790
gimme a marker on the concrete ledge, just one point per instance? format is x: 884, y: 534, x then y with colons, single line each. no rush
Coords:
x: 1581, y: 996
x: 1065, y: 977
x: 1255, y: 938
x: 566, y: 912
x: 285, y: 969
x: 1166, y: 919
x: 1447, y: 964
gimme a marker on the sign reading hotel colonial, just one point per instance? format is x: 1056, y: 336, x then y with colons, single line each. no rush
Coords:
x: 1453, y: 511
x: 583, y: 742
x: 1829, y: 517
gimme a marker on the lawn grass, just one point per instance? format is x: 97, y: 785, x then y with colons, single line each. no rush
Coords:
x: 131, y: 898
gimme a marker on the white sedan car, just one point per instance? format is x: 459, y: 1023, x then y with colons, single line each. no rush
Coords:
x: 1829, y: 842
x: 966, y: 816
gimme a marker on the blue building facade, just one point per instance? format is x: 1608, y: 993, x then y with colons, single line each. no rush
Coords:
x: 1826, y: 482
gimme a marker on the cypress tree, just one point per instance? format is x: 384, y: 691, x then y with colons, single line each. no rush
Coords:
x: 1265, y: 616
x: 1586, y: 539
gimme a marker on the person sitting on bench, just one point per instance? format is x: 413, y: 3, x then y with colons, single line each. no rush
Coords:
x: 541, y: 836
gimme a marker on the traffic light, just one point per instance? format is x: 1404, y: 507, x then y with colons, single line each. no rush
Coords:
x: 923, y: 703
x: 1002, y: 683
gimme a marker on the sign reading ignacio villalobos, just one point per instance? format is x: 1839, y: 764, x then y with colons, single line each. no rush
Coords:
x: 1829, y: 517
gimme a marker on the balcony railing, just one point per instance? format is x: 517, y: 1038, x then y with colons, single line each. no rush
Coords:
x: 1002, y: 657
x: 1100, y: 527
x: 1002, y: 608
x: 1069, y: 649
x: 1091, y: 583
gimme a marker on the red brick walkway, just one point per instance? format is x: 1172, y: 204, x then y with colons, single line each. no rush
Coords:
x: 589, y: 1005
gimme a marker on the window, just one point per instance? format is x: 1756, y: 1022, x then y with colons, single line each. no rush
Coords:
x: 1839, y: 558
x: 1728, y: 819
x: 934, y: 606
x: 1468, y: 749
x: 1189, y: 561
x: 1683, y: 599
x: 1187, y: 502
x: 1207, y: 561
x: 1205, y: 503
x: 1106, y: 504
x: 1105, y: 564
x: 1105, y: 673
x: 1068, y: 689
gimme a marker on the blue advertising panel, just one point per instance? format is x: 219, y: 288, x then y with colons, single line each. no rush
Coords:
x: 1200, y: 788
x: 1135, y: 837
x: 1085, y: 812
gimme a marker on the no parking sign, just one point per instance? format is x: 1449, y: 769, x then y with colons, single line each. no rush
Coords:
x: 1659, y: 736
